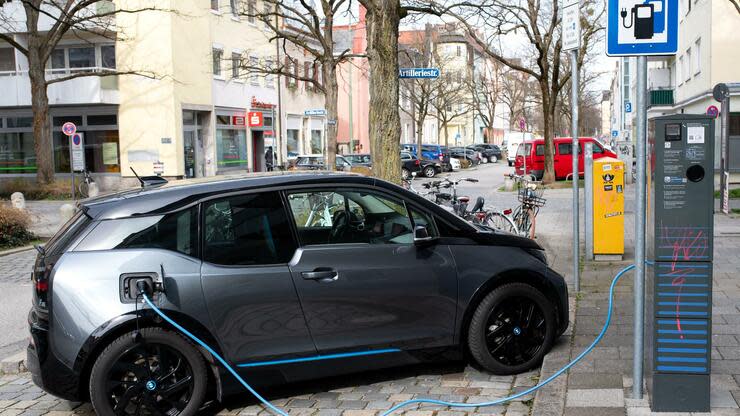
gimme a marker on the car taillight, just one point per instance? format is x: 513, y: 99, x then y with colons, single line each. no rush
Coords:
x: 42, y: 286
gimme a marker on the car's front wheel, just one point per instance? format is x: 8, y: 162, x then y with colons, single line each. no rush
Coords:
x: 493, y: 159
x: 512, y: 329
x: 158, y: 374
x: 405, y: 173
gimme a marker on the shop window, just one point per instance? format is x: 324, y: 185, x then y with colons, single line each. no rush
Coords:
x: 734, y: 124
x: 59, y: 121
x: 231, y: 149
x: 101, y: 151
x: 223, y: 120
x: 7, y: 59
x: 16, y: 153
x: 18, y: 122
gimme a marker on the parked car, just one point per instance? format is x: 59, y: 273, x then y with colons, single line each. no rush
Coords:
x: 275, y: 273
x: 455, y: 164
x: 363, y: 159
x: 563, y: 160
x: 513, y: 140
x: 410, y: 164
x: 462, y: 153
x: 490, y: 153
x: 316, y: 162
x: 430, y: 152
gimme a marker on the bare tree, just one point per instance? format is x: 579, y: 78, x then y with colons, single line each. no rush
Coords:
x: 485, y: 90
x: 538, y: 21
x: 451, y: 102
x: 81, y: 18
x: 515, y: 95
x: 309, y: 29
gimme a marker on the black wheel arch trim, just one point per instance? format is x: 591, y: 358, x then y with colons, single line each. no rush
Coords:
x: 513, y: 275
x: 114, y: 328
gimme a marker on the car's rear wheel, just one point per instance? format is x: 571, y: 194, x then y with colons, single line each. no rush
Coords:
x: 158, y: 374
x: 429, y: 171
x: 512, y: 329
x: 493, y: 159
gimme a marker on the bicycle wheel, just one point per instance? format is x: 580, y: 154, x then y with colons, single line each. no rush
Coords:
x: 523, y: 221
x: 499, y: 221
x: 84, y: 188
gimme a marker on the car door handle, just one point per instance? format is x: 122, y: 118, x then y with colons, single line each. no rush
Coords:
x: 321, y: 275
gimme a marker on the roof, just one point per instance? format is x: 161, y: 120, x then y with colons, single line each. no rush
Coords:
x: 179, y: 194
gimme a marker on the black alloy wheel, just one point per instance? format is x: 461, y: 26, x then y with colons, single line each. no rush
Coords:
x: 160, y: 374
x: 512, y: 329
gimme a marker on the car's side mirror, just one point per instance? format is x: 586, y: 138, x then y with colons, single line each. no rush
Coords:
x: 421, y: 235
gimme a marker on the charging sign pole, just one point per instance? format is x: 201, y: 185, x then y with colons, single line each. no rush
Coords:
x: 641, y: 28
x: 572, y: 44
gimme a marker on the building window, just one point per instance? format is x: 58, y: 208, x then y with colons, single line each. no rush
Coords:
x: 218, y: 55
x: 214, y: 5
x: 316, y: 146
x: 231, y: 149
x: 687, y: 68
x: 101, y: 151
x: 7, y: 59
x: 292, y: 142
x: 458, y: 52
x: 251, y: 11
x: 254, y: 77
x: 697, y: 58
x: 58, y: 60
x: 108, y: 56
x: 81, y: 58
x: 16, y: 153
x: 679, y: 71
x: 234, y: 4
x: 236, y: 62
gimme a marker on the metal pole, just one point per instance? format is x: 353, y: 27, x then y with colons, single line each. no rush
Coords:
x: 576, y: 174
x: 725, y: 158
x: 640, y: 206
x: 588, y: 196
x: 71, y: 167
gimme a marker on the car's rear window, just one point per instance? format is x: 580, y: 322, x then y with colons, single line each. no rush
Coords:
x: 67, y: 234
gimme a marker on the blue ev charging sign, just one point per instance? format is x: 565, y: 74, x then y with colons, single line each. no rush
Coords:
x: 642, y: 27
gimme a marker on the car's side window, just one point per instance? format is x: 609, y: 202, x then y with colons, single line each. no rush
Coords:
x: 350, y: 216
x: 425, y: 220
x: 246, y: 230
x: 564, y: 148
x: 540, y: 149
x: 597, y: 149
x: 176, y: 232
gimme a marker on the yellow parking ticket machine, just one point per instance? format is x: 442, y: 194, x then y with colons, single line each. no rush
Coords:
x: 608, y: 209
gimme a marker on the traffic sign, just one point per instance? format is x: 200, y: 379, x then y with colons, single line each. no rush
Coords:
x: 713, y: 111
x: 522, y: 123
x: 69, y: 128
x: 615, y: 133
x: 628, y: 107
x: 315, y: 112
x: 424, y: 73
x: 77, y: 150
x: 572, y: 27
x: 642, y: 27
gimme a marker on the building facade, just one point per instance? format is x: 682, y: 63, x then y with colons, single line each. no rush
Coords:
x: 196, y: 113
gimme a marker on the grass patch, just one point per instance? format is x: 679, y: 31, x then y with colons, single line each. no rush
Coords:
x: 734, y: 194
x: 564, y: 184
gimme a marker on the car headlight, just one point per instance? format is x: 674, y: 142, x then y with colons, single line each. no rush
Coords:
x: 538, y: 254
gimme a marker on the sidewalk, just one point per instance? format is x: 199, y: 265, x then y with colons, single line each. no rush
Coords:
x: 601, y: 383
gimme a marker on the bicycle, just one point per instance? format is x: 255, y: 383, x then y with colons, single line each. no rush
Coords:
x: 525, y: 215
x: 84, y: 186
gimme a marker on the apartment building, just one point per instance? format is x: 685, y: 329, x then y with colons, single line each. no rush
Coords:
x: 707, y: 55
x: 200, y: 114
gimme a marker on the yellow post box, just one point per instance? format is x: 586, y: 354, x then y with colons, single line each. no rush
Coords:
x: 608, y: 209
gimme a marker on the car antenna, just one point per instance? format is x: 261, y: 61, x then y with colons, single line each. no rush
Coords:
x: 137, y: 176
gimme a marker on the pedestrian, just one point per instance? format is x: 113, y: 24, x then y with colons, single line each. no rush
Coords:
x: 269, y: 159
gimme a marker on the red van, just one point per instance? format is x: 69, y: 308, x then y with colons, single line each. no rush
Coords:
x: 562, y: 157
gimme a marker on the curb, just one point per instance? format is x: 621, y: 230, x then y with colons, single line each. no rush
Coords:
x: 14, y: 364
x: 15, y: 250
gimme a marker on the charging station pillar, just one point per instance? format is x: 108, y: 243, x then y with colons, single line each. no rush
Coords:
x: 680, y: 243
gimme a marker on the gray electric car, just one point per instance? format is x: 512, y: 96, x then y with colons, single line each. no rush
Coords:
x: 289, y: 277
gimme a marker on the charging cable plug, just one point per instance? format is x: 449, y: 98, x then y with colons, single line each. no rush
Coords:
x: 623, y: 13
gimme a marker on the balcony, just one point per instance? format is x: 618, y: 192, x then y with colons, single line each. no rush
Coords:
x: 16, y: 88
x: 661, y: 98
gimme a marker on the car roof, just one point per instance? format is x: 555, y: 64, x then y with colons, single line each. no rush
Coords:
x: 179, y: 194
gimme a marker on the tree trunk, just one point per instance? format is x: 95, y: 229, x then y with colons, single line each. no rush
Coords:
x: 41, y: 129
x: 547, y: 117
x: 447, y: 136
x: 420, y: 117
x: 332, y: 92
x: 383, y: 18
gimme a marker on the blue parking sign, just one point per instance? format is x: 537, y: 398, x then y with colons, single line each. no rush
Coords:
x: 615, y: 133
x: 627, y: 107
x: 642, y: 27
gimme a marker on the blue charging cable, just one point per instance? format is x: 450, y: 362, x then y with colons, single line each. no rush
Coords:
x: 415, y: 401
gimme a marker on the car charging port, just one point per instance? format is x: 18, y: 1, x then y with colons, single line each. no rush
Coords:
x: 133, y: 285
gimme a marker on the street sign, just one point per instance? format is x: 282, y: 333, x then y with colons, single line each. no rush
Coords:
x: 522, y: 123
x: 77, y: 149
x: 315, y: 112
x: 615, y: 133
x: 424, y: 73
x: 572, y: 27
x: 713, y: 111
x: 255, y: 119
x: 69, y: 129
x: 628, y: 107
x: 642, y: 27
x: 331, y: 122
